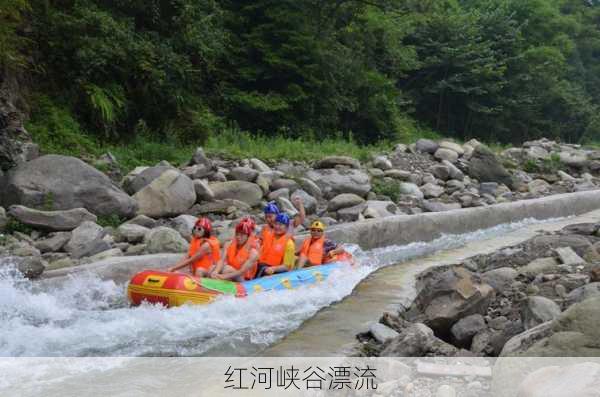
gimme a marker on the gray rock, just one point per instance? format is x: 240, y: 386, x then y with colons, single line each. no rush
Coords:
x: 283, y: 183
x: 203, y: 191
x: 134, y: 183
x: 172, y: 193
x: 537, y: 153
x: 565, y: 177
x: 440, y: 171
x: 3, y: 218
x: 431, y: 190
x: 310, y: 187
x: 382, y: 333
x: 86, y: 240
x: 217, y: 177
x: 382, y: 162
x: 351, y: 214
x: 142, y: 220
x: 455, y: 147
x: 263, y: 183
x: 398, y: 174
x: 30, y: 267
x: 436, y: 206
x: 446, y: 154
x: 286, y: 206
x: 427, y: 146
x: 454, y: 172
x: 488, y: 188
x: 417, y: 340
x: 332, y: 161
x: 538, y: 310
x: 411, y: 189
x: 466, y: 328
x: 67, y: 183
x: 111, y: 253
x: 333, y: 181
x: 272, y: 176
x: 500, y: 279
x: 242, y: 174
x: 485, y: 167
x: 131, y: 233
x: 539, y: 266
x: 200, y: 158
x: 445, y: 391
x: 584, y: 292
x: 309, y: 202
x: 225, y: 207
x: 259, y: 166
x: 382, y: 209
x: 344, y: 200
x: 51, y: 220
x: 454, y: 186
x: 568, y: 256
x: 246, y: 192
x: 521, y: 342
x: 574, y: 159
x: 164, y: 239
x: 283, y: 192
x: 578, y: 379
x: 538, y: 187
x: 54, y: 242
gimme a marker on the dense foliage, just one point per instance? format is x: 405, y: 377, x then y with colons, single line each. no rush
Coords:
x: 500, y: 70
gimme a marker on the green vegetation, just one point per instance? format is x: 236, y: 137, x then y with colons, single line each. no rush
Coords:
x: 391, y: 190
x: 14, y: 225
x: 110, y: 221
x: 156, y: 78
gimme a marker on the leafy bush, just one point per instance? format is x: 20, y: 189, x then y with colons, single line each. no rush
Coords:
x: 391, y: 190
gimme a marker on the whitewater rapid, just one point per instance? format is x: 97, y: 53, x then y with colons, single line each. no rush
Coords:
x: 86, y: 316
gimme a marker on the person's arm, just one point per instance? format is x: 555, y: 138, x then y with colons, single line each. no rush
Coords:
x: 301, y: 261
x: 289, y: 259
x: 245, y: 267
x: 204, y: 249
x: 299, y: 219
x: 221, y: 263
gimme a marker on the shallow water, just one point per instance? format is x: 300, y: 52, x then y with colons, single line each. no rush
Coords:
x: 86, y: 316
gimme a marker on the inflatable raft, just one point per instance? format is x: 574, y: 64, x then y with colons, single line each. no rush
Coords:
x: 175, y: 289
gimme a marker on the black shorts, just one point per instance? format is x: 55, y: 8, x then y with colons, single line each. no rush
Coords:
x: 260, y: 270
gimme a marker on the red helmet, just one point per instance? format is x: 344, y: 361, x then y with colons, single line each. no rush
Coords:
x: 204, y: 223
x: 246, y: 226
x: 248, y: 219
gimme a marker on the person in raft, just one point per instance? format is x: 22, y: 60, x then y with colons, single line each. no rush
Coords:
x: 240, y: 254
x: 277, y: 255
x: 271, y: 211
x: 317, y: 250
x: 204, y: 251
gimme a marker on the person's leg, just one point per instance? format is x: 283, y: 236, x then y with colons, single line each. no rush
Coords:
x: 301, y: 262
x: 260, y: 270
x: 201, y: 272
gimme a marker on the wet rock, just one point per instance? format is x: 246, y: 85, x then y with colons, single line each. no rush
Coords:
x: 466, y: 328
x: 333, y: 181
x: 68, y: 183
x: 344, y: 200
x: 417, y: 340
x: 203, y: 191
x: 382, y: 333
x: 87, y: 240
x: 485, y: 167
x: 54, y: 242
x: 446, y: 154
x: 51, y: 220
x: 30, y: 267
x: 164, y: 239
x: 172, y: 193
x: 332, y: 161
x: 427, y: 146
x: 538, y: 310
x: 246, y: 192
x: 243, y: 174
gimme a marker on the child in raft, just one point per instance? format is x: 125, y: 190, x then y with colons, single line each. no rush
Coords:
x: 204, y: 251
x: 317, y: 249
x: 240, y: 255
x: 271, y: 211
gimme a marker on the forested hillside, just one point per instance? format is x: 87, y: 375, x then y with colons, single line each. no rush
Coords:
x: 497, y: 70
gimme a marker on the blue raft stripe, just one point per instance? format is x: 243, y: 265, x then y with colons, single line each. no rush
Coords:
x: 292, y: 279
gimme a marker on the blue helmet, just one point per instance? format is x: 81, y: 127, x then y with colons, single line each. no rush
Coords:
x: 283, y: 218
x: 271, y: 208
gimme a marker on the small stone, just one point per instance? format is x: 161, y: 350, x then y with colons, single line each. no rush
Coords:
x: 568, y: 256
x: 382, y: 333
x: 445, y: 391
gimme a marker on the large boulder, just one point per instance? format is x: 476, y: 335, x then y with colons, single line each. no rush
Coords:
x: 259, y: 165
x: 411, y: 189
x: 538, y: 310
x: 455, y: 147
x: 133, y: 183
x: 579, y: 379
x: 309, y: 202
x: 466, y: 328
x: 417, y: 340
x: 485, y: 167
x: 53, y: 243
x: 446, y: 297
x: 66, y: 183
x: 380, y: 209
x: 203, y: 191
x: 344, y: 200
x: 131, y: 233
x: 242, y: 174
x: 172, y: 193
x: 574, y: 159
x: 332, y: 161
x: 247, y: 192
x: 51, y: 220
x: 87, y: 240
x: 446, y: 154
x: 30, y: 266
x: 431, y: 190
x: 184, y: 225
x: 500, y: 279
x: 3, y: 219
x: 336, y: 181
x: 427, y: 146
x: 164, y: 239
x: 200, y: 158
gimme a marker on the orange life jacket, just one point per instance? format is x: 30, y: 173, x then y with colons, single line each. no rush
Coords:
x: 237, y: 256
x: 343, y: 257
x: 208, y: 260
x: 313, y: 250
x: 272, y: 254
x: 266, y: 235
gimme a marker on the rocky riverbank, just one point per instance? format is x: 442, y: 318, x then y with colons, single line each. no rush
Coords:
x: 55, y: 205
x: 538, y: 298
